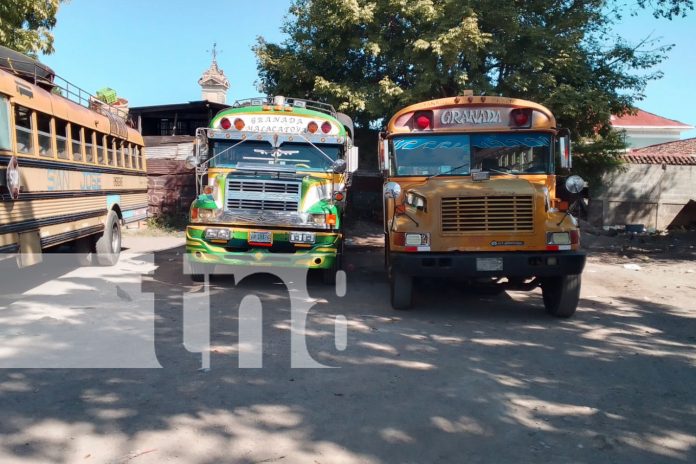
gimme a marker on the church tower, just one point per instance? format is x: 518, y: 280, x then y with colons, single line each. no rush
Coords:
x: 213, y: 82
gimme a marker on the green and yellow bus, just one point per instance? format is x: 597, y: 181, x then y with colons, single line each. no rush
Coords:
x: 71, y: 170
x: 273, y: 175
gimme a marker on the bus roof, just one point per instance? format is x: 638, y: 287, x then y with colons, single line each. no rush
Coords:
x: 472, y: 113
x: 98, y: 118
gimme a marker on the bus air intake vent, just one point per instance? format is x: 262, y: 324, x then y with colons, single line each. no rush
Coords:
x: 514, y: 213
x: 264, y: 195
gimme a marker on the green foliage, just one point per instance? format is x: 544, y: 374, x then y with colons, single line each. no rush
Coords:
x: 596, y: 155
x: 370, y: 58
x: 25, y: 25
x: 169, y: 223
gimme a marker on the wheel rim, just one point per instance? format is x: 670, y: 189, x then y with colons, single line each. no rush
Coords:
x: 115, y: 239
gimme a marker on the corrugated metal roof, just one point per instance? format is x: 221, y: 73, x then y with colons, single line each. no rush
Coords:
x: 178, y: 151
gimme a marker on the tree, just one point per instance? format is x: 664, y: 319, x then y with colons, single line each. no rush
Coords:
x: 25, y: 25
x: 371, y: 57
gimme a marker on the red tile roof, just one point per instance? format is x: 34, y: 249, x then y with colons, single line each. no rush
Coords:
x: 679, y: 152
x: 648, y: 120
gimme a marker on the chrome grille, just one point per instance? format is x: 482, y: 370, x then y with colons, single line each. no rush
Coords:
x: 266, y: 195
x: 514, y: 213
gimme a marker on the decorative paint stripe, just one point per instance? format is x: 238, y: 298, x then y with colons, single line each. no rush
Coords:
x: 54, y: 164
x: 69, y: 236
x: 28, y: 196
x: 13, y: 248
x: 34, y: 224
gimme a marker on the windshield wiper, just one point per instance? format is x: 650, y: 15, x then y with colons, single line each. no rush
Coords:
x: 501, y: 172
x: 447, y: 172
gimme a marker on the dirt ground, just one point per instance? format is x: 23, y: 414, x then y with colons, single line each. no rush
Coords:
x: 459, y: 378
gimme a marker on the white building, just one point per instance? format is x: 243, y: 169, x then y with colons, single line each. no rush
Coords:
x: 643, y: 129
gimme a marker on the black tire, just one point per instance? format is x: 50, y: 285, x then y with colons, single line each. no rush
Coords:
x: 401, y: 290
x: 328, y: 276
x: 199, y: 270
x: 108, y: 246
x: 561, y: 294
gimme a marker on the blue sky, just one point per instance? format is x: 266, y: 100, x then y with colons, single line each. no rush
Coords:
x: 153, y: 51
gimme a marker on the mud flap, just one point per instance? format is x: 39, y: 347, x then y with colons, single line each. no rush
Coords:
x: 29, y: 252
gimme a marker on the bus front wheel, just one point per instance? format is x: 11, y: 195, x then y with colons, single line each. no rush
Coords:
x: 401, y: 290
x: 108, y: 245
x: 561, y: 294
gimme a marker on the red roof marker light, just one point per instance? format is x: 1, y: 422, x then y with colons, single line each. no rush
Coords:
x: 423, y: 120
x: 520, y: 117
x: 225, y: 123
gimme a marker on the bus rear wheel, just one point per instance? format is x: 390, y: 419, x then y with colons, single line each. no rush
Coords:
x: 400, y: 290
x: 108, y: 246
x: 561, y: 294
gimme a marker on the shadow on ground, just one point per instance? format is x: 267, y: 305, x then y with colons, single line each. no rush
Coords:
x: 461, y: 378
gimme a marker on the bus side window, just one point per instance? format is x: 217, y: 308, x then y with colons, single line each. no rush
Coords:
x: 5, y: 125
x: 43, y: 123
x: 101, y: 153
x: 23, y: 128
x: 139, y: 157
x: 61, y: 137
x: 111, y: 158
x: 129, y: 155
x: 89, y: 145
x: 76, y: 136
x: 122, y: 154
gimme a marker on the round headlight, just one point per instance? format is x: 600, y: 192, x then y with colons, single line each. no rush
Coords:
x: 575, y: 184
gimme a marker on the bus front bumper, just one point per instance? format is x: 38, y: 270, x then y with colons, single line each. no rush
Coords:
x: 238, y: 252
x: 474, y: 265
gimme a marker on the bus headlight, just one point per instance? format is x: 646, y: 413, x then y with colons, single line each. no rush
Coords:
x: 318, y: 219
x: 202, y: 214
x: 558, y: 238
x: 217, y: 234
x: 415, y: 200
x: 417, y: 239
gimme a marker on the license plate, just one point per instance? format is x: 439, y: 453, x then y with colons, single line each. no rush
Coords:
x: 263, y: 237
x: 489, y: 264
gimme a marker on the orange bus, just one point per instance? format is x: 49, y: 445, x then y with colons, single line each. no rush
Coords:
x: 470, y: 193
x: 71, y: 169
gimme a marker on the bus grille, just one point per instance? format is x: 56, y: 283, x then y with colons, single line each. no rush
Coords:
x: 266, y: 195
x: 488, y: 214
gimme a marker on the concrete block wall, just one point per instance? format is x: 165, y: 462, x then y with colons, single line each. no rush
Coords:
x: 650, y: 194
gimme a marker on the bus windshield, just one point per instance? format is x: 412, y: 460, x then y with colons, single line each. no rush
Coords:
x: 303, y: 156
x: 459, y: 154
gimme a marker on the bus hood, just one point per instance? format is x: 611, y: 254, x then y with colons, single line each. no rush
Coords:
x: 457, y: 187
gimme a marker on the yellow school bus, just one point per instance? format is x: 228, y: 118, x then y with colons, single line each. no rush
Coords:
x: 71, y: 169
x: 470, y: 193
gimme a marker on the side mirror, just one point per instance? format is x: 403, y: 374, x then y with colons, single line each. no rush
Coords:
x: 201, y: 144
x: 383, y: 150
x: 564, y: 149
x: 191, y: 162
x: 339, y: 166
x: 392, y: 190
x: 353, y: 159
x: 574, y: 184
